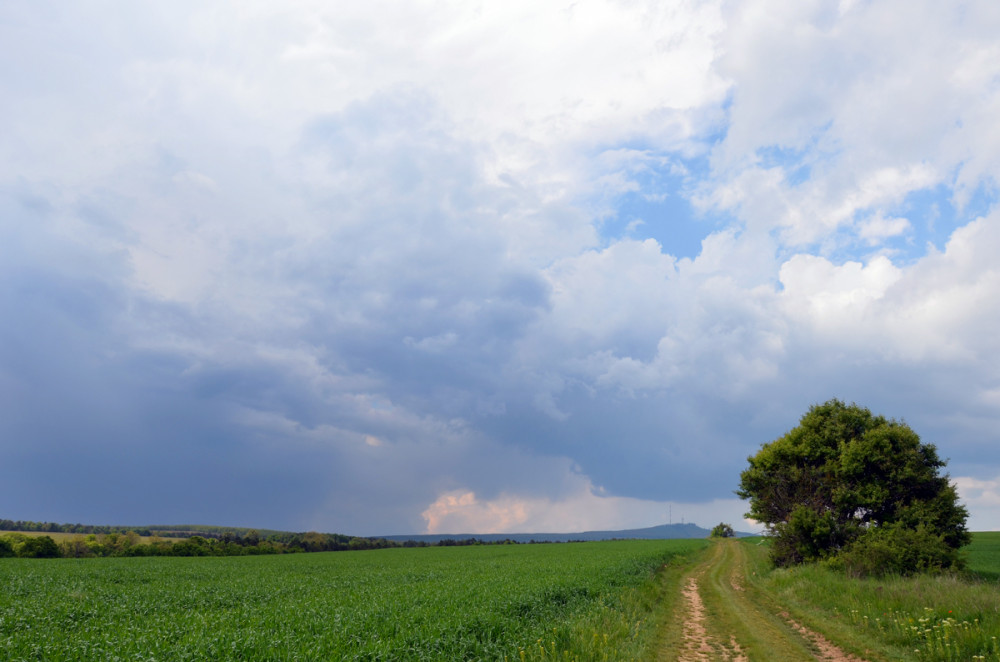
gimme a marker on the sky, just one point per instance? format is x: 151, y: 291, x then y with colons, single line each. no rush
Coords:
x: 466, y: 267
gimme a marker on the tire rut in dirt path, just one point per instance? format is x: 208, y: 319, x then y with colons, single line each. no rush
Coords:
x: 697, y: 643
x: 723, y: 620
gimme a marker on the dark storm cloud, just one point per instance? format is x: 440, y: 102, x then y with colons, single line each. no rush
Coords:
x: 370, y: 271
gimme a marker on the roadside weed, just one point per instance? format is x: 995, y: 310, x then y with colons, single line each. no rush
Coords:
x: 933, y: 636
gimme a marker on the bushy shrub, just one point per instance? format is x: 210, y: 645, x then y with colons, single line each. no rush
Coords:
x: 722, y: 530
x: 806, y: 536
x: 898, y: 550
x: 41, y: 547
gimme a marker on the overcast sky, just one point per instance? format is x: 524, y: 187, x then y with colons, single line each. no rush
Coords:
x: 404, y: 267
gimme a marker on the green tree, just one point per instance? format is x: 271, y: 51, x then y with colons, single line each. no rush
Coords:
x: 722, y: 530
x: 75, y: 547
x: 37, y: 547
x: 845, y: 483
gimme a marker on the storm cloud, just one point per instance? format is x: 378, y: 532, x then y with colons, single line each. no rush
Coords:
x: 484, y: 267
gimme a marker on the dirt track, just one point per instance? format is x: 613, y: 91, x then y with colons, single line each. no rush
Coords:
x: 724, y: 619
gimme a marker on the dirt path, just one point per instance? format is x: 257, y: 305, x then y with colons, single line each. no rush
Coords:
x: 724, y: 619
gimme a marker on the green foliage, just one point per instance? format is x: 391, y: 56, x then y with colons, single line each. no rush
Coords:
x: 36, y: 547
x: 227, y: 543
x: 722, y: 530
x: 898, y: 550
x: 583, y: 601
x: 829, y: 486
x: 806, y: 536
x: 101, y: 540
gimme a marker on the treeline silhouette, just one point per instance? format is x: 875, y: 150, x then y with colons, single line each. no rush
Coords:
x: 99, y: 541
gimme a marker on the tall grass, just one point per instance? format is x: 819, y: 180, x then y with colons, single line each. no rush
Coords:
x: 628, y: 626
x: 930, y: 617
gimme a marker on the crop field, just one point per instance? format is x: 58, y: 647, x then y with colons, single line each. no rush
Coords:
x: 586, y: 601
x: 984, y: 554
x: 582, y: 601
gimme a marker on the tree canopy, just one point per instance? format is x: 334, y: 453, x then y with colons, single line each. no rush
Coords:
x: 722, y: 530
x: 857, y: 489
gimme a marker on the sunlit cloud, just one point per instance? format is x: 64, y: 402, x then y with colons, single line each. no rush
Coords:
x: 581, y: 509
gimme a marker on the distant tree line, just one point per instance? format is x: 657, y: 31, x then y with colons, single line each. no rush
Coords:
x: 131, y: 544
x: 52, y: 527
x: 185, y: 531
x: 86, y: 529
x: 102, y: 541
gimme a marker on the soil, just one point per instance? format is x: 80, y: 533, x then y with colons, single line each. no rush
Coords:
x: 698, y: 644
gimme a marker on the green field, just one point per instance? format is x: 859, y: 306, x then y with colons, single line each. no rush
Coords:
x: 983, y: 555
x: 568, y: 601
x: 581, y: 601
x: 927, y: 617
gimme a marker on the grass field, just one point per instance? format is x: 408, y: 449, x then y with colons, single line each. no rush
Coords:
x: 747, y: 610
x: 586, y: 601
x: 582, y: 601
x: 984, y: 555
x: 942, y: 617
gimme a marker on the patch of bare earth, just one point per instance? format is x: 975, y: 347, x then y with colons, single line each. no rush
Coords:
x: 697, y: 644
x: 734, y: 581
x: 827, y: 651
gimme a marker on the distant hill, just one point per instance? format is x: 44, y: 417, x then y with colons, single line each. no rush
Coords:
x: 662, y: 532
